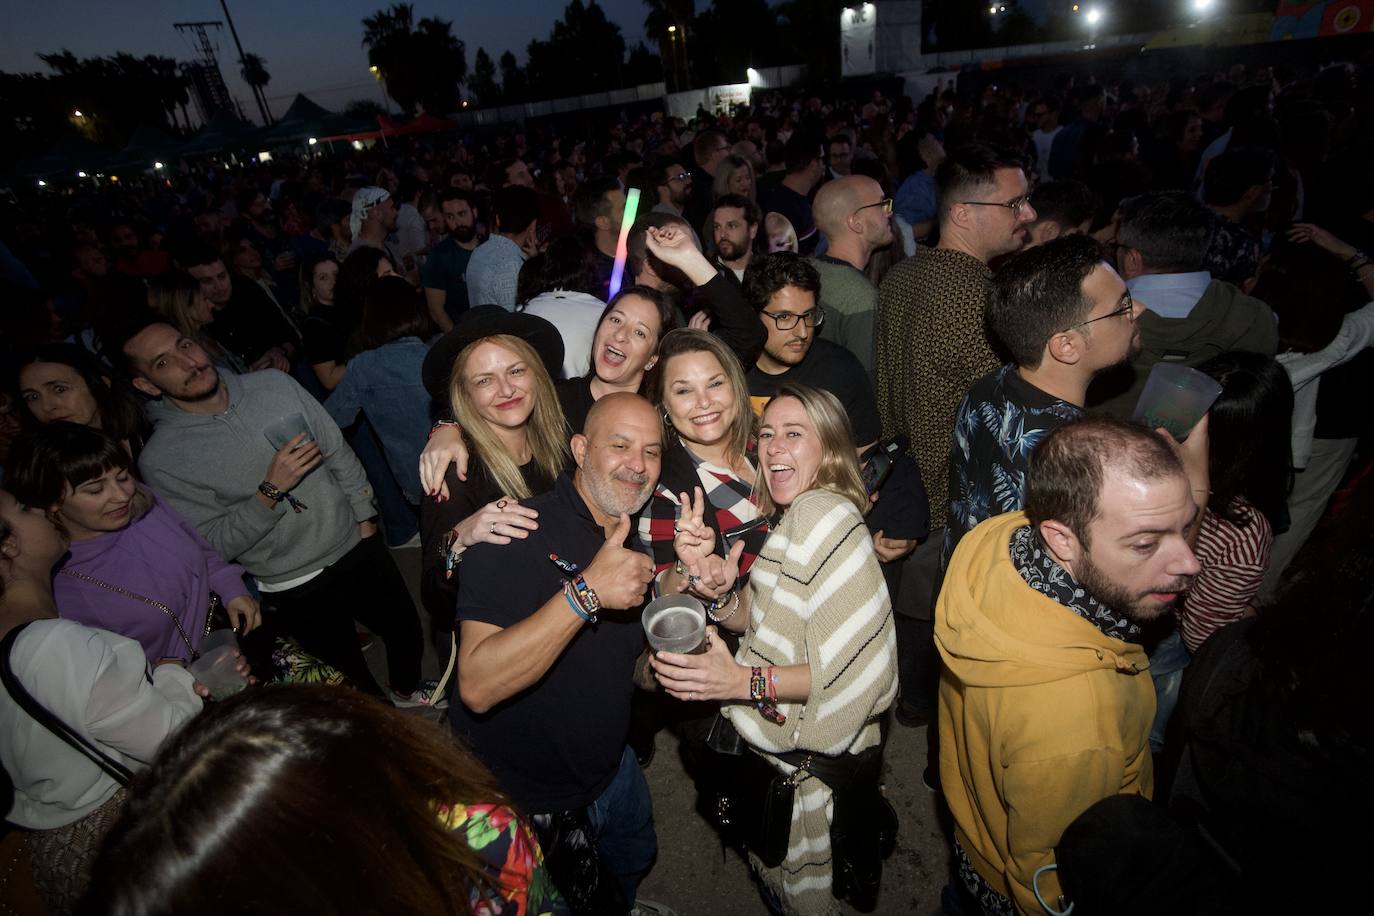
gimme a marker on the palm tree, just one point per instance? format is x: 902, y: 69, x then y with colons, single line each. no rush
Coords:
x: 421, y: 62
x: 255, y: 74
x: 667, y: 24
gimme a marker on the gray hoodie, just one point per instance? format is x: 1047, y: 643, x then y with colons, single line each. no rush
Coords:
x: 208, y: 469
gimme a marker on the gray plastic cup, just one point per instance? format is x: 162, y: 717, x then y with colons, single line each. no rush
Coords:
x: 676, y: 623
x: 1176, y: 397
x: 217, y: 668
x: 280, y: 432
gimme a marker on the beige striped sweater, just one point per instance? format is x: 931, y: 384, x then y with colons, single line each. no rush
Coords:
x: 819, y: 599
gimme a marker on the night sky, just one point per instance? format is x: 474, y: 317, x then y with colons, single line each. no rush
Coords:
x: 311, y: 46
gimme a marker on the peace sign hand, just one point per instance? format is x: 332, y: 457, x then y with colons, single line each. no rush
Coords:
x: 693, y: 539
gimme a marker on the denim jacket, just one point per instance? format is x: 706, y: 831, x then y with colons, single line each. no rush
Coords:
x: 385, y: 384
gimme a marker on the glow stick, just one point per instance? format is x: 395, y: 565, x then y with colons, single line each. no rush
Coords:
x: 628, y: 220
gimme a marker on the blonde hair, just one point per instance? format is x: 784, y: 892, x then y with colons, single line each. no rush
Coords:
x: 173, y: 298
x: 725, y: 172
x: 689, y: 340
x: 546, y: 430
x: 777, y: 224
x: 839, y: 468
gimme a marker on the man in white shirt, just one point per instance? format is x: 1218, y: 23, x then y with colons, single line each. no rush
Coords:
x: 1045, y: 116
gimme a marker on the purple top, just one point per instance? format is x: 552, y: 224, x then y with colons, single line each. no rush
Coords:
x: 159, y: 556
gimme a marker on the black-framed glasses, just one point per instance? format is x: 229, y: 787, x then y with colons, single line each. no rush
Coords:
x: 1127, y: 308
x: 885, y: 203
x: 680, y: 176
x: 1015, y: 205
x: 786, y: 321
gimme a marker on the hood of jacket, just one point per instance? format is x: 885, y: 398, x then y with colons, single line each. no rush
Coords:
x: 994, y: 630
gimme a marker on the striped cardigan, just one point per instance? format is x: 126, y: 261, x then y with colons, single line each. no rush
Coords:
x: 819, y: 599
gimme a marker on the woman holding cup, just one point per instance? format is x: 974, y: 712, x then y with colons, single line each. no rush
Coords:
x: 816, y: 667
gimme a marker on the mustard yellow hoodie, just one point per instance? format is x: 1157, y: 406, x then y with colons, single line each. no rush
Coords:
x: 1040, y: 714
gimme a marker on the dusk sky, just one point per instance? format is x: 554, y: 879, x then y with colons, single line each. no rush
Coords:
x: 311, y: 46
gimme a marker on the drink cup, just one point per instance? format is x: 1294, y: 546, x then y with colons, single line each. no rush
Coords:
x: 1176, y: 397
x: 676, y: 623
x: 280, y: 432
x: 217, y: 668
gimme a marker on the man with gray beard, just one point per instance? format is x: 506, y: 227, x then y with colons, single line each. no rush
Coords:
x: 549, y: 634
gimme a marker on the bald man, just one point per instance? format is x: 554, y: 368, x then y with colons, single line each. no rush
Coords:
x: 855, y: 219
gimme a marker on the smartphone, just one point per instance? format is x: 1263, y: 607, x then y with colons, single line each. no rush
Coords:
x: 878, y: 465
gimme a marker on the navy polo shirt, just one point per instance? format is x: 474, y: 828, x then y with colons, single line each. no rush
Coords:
x: 557, y: 745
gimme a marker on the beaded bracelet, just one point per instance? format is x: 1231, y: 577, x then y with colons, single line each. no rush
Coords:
x: 759, y: 695
x: 732, y: 599
x: 442, y: 424
x: 586, y: 598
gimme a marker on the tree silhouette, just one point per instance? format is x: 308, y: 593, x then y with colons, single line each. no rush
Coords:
x: 514, y: 88
x: 254, y: 73
x: 422, y: 63
x: 582, y: 54
x: 483, y: 82
x: 672, y: 45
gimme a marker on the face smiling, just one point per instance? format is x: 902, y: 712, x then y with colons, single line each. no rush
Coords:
x: 699, y: 398
x: 55, y: 392
x: 626, y: 340
x: 98, y: 505
x: 789, y: 450
x: 500, y: 384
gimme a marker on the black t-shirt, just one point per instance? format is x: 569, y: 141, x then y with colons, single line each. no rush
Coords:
x: 829, y: 367
x: 576, y: 398
x: 557, y: 745
x: 439, y: 592
x: 250, y: 324
x: 322, y: 338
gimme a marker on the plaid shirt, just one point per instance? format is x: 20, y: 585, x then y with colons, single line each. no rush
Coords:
x: 731, y: 499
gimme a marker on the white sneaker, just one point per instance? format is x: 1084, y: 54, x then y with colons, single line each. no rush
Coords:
x: 422, y: 695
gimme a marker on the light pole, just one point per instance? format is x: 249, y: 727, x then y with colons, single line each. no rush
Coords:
x: 381, y: 85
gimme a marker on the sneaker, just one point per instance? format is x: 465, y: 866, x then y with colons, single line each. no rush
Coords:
x: 644, y: 907
x: 423, y: 695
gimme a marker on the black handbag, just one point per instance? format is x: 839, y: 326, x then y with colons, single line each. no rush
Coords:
x: 116, y: 770
x: 576, y: 867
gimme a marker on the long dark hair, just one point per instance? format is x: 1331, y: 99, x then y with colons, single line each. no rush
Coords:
x: 297, y: 799
x: 392, y: 309
x: 120, y: 407
x: 1250, y: 436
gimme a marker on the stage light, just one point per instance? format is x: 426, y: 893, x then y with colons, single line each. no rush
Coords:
x: 77, y: 114
x: 1202, y: 6
x: 158, y: 166
x: 672, y: 29
x: 1094, y: 16
x: 42, y: 183
x: 80, y: 174
x: 313, y: 141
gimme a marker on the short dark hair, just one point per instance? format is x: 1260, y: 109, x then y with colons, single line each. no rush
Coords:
x: 1067, y: 469
x: 197, y: 254
x: 589, y: 202
x: 1039, y: 292
x: 770, y: 273
x: 803, y: 148
x: 565, y: 264
x: 636, y: 243
x: 1170, y: 229
x: 392, y: 309
x: 124, y: 327
x: 1234, y: 172
x: 330, y: 211
x: 450, y: 194
x: 662, y: 165
x: 752, y: 214
x: 1066, y: 203
x: 515, y: 207
x: 968, y: 171
x: 44, y: 462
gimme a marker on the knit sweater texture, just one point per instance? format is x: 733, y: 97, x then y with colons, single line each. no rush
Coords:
x: 932, y: 347
x: 818, y: 599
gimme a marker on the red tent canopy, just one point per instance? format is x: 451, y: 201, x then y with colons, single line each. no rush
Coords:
x: 426, y: 123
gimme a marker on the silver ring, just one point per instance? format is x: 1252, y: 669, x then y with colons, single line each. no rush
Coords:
x: 493, y: 527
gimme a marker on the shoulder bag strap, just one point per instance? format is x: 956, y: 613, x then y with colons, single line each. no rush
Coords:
x: 116, y: 770
x: 135, y: 596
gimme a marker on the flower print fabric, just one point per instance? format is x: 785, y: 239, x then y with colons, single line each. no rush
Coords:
x: 516, y: 863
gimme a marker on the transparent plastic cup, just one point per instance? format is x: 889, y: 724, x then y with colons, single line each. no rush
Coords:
x: 676, y: 623
x: 1176, y: 397
x: 280, y: 432
x: 217, y: 667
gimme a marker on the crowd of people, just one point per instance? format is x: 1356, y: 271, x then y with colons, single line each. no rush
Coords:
x: 865, y: 391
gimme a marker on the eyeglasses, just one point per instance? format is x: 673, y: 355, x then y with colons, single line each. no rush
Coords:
x: 885, y: 203
x: 1015, y: 205
x: 680, y: 176
x: 1127, y: 308
x: 786, y: 321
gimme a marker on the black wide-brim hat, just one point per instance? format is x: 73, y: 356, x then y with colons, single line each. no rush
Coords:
x: 487, y: 321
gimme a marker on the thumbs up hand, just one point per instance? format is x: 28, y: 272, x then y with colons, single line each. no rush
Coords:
x: 618, y: 575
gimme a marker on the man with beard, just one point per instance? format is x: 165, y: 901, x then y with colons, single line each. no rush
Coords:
x: 246, y: 321
x: 734, y: 225
x: 298, y: 516
x: 599, y: 206
x: 1045, y: 696
x: 1064, y: 315
x: 445, y: 271
x: 259, y: 224
x: 550, y: 631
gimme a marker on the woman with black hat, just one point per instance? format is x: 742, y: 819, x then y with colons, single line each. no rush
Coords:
x: 503, y: 401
